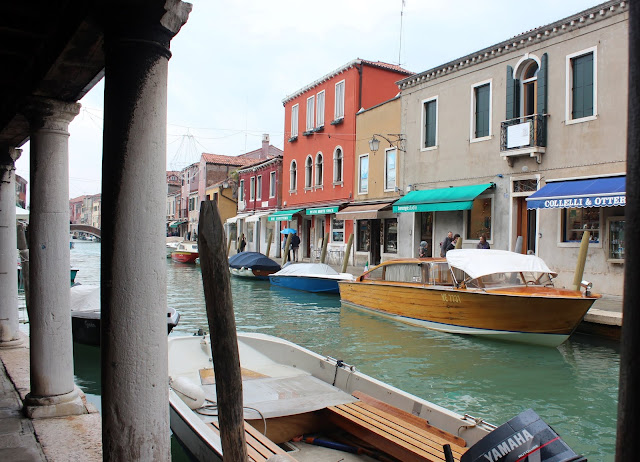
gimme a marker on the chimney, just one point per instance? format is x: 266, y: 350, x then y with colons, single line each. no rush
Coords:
x: 265, y: 146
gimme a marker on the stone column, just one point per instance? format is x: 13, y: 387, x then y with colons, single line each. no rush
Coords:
x: 9, y: 337
x: 53, y: 392
x: 135, y: 397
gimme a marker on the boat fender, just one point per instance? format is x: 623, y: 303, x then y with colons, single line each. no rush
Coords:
x: 191, y: 393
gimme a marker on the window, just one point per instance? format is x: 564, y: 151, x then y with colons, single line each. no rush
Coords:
x: 481, y: 111
x: 337, y: 165
x: 272, y: 184
x: 250, y: 229
x: 339, y: 104
x: 241, y: 191
x: 293, y: 176
x: 430, y: 123
x: 390, y: 169
x: 319, y: 169
x: 259, y: 188
x: 479, y: 218
x: 363, y: 175
x: 310, y: 112
x: 308, y: 170
x: 577, y: 221
x: 391, y: 235
x: 363, y: 236
x: 252, y: 188
x: 320, y: 110
x: 294, y: 121
x: 581, y: 86
x: 337, y: 230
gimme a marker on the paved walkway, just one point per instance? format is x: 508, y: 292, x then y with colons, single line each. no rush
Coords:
x: 73, y: 438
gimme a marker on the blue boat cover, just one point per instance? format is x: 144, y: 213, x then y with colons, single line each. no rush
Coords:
x: 596, y: 192
x: 253, y: 260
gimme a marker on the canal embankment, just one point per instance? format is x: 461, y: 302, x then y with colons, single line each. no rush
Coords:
x: 77, y: 437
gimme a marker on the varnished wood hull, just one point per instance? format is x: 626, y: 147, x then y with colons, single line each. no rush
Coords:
x: 538, y: 315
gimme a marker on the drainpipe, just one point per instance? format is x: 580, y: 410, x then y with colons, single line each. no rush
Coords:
x: 359, y: 67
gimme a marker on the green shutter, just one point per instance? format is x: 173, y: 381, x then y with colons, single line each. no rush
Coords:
x: 430, y: 123
x: 483, y: 94
x: 512, y: 90
x: 542, y: 98
x: 582, y: 91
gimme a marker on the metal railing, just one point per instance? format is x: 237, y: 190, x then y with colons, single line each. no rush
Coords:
x: 523, y: 132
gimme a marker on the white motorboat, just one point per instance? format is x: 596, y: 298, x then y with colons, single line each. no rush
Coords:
x: 316, y: 408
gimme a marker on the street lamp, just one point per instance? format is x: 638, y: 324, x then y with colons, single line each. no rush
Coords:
x: 374, y: 143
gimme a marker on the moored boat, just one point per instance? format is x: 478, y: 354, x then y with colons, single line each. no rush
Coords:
x: 491, y: 293
x: 309, y: 277
x: 85, y: 315
x: 185, y: 252
x: 317, y: 408
x: 252, y: 265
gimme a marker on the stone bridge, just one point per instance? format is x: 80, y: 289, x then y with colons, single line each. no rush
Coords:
x: 86, y: 229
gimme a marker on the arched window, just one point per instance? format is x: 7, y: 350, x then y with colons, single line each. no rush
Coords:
x: 529, y: 88
x: 308, y: 172
x: 319, y: 174
x: 293, y: 178
x: 337, y: 165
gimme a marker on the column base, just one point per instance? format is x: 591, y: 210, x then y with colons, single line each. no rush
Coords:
x: 13, y: 343
x: 39, y: 407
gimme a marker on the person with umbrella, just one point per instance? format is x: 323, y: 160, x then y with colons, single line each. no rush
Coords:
x: 284, y: 232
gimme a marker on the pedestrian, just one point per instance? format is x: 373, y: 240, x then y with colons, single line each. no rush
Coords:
x: 483, y: 244
x: 452, y: 244
x: 295, y: 244
x: 444, y: 245
x: 423, y: 249
x: 242, y: 244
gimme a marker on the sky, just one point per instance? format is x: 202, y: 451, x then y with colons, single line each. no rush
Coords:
x: 234, y: 61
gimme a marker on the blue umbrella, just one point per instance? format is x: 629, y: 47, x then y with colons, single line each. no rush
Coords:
x: 288, y: 231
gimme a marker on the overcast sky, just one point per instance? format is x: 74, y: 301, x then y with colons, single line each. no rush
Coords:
x: 235, y: 60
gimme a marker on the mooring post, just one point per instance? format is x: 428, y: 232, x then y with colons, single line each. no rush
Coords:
x: 582, y: 259
x: 222, y: 326
x: 323, y: 254
x: 286, y: 249
x: 345, y: 260
x: 269, y: 243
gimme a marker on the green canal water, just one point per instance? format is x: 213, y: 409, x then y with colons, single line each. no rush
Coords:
x: 573, y: 387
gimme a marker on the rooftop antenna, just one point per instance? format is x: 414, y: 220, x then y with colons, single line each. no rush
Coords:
x: 400, y: 46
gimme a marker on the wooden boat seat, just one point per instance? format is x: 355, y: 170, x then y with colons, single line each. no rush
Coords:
x: 394, y: 431
x: 259, y: 447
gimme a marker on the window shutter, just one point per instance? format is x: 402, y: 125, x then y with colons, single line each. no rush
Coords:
x: 542, y: 98
x: 512, y: 88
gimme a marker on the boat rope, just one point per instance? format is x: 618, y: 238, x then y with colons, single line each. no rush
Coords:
x: 339, y: 363
x: 211, y: 410
x: 475, y: 422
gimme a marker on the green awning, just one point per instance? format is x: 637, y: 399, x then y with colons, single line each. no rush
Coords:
x: 283, y: 215
x: 175, y: 224
x: 440, y: 200
x: 322, y: 210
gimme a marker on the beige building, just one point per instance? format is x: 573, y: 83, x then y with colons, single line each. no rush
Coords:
x: 379, y: 149
x: 542, y: 113
x: 225, y: 195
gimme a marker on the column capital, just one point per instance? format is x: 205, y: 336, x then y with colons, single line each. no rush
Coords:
x: 9, y: 155
x: 51, y: 114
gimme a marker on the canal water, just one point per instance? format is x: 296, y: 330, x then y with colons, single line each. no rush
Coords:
x: 573, y: 387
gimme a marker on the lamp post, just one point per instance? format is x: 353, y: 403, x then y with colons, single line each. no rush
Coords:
x: 374, y: 143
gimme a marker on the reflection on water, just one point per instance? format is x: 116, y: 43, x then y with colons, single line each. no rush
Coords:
x: 573, y: 387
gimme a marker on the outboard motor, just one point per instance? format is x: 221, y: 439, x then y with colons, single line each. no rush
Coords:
x: 525, y: 438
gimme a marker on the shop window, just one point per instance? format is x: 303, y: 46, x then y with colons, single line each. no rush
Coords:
x: 337, y: 230
x: 576, y: 221
x: 391, y: 235
x: 479, y: 219
x: 363, y: 235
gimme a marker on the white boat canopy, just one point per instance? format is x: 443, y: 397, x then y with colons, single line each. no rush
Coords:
x: 21, y: 214
x: 312, y: 270
x: 480, y: 262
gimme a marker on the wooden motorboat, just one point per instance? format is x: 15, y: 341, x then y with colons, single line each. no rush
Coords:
x: 85, y: 315
x: 492, y: 293
x: 185, y: 252
x: 309, y: 277
x: 316, y: 408
x: 252, y: 265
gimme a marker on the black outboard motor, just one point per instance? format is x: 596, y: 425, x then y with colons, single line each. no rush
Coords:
x: 525, y: 438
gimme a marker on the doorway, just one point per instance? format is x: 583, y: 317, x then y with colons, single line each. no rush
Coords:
x: 526, y: 225
x: 374, y: 249
x: 307, y: 238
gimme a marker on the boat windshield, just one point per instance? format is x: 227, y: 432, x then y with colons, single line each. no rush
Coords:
x: 498, y: 280
x: 398, y: 272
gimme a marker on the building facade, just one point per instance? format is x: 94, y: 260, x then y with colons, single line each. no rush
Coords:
x: 489, y: 133
x: 21, y: 192
x: 320, y: 149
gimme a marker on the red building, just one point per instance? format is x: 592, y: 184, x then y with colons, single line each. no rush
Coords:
x: 21, y: 192
x: 319, y: 148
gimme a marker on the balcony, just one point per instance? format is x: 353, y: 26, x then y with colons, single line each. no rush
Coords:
x: 523, y: 136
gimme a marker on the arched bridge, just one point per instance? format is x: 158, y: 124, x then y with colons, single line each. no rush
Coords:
x: 86, y: 229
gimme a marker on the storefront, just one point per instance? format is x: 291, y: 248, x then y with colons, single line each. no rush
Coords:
x: 573, y: 207
x: 281, y: 219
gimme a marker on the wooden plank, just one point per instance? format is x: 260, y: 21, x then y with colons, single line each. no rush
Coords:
x: 408, y: 417
x: 385, y: 439
x: 259, y: 447
x: 274, y: 448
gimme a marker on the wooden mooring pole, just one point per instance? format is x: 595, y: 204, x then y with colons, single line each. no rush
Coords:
x: 222, y: 327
